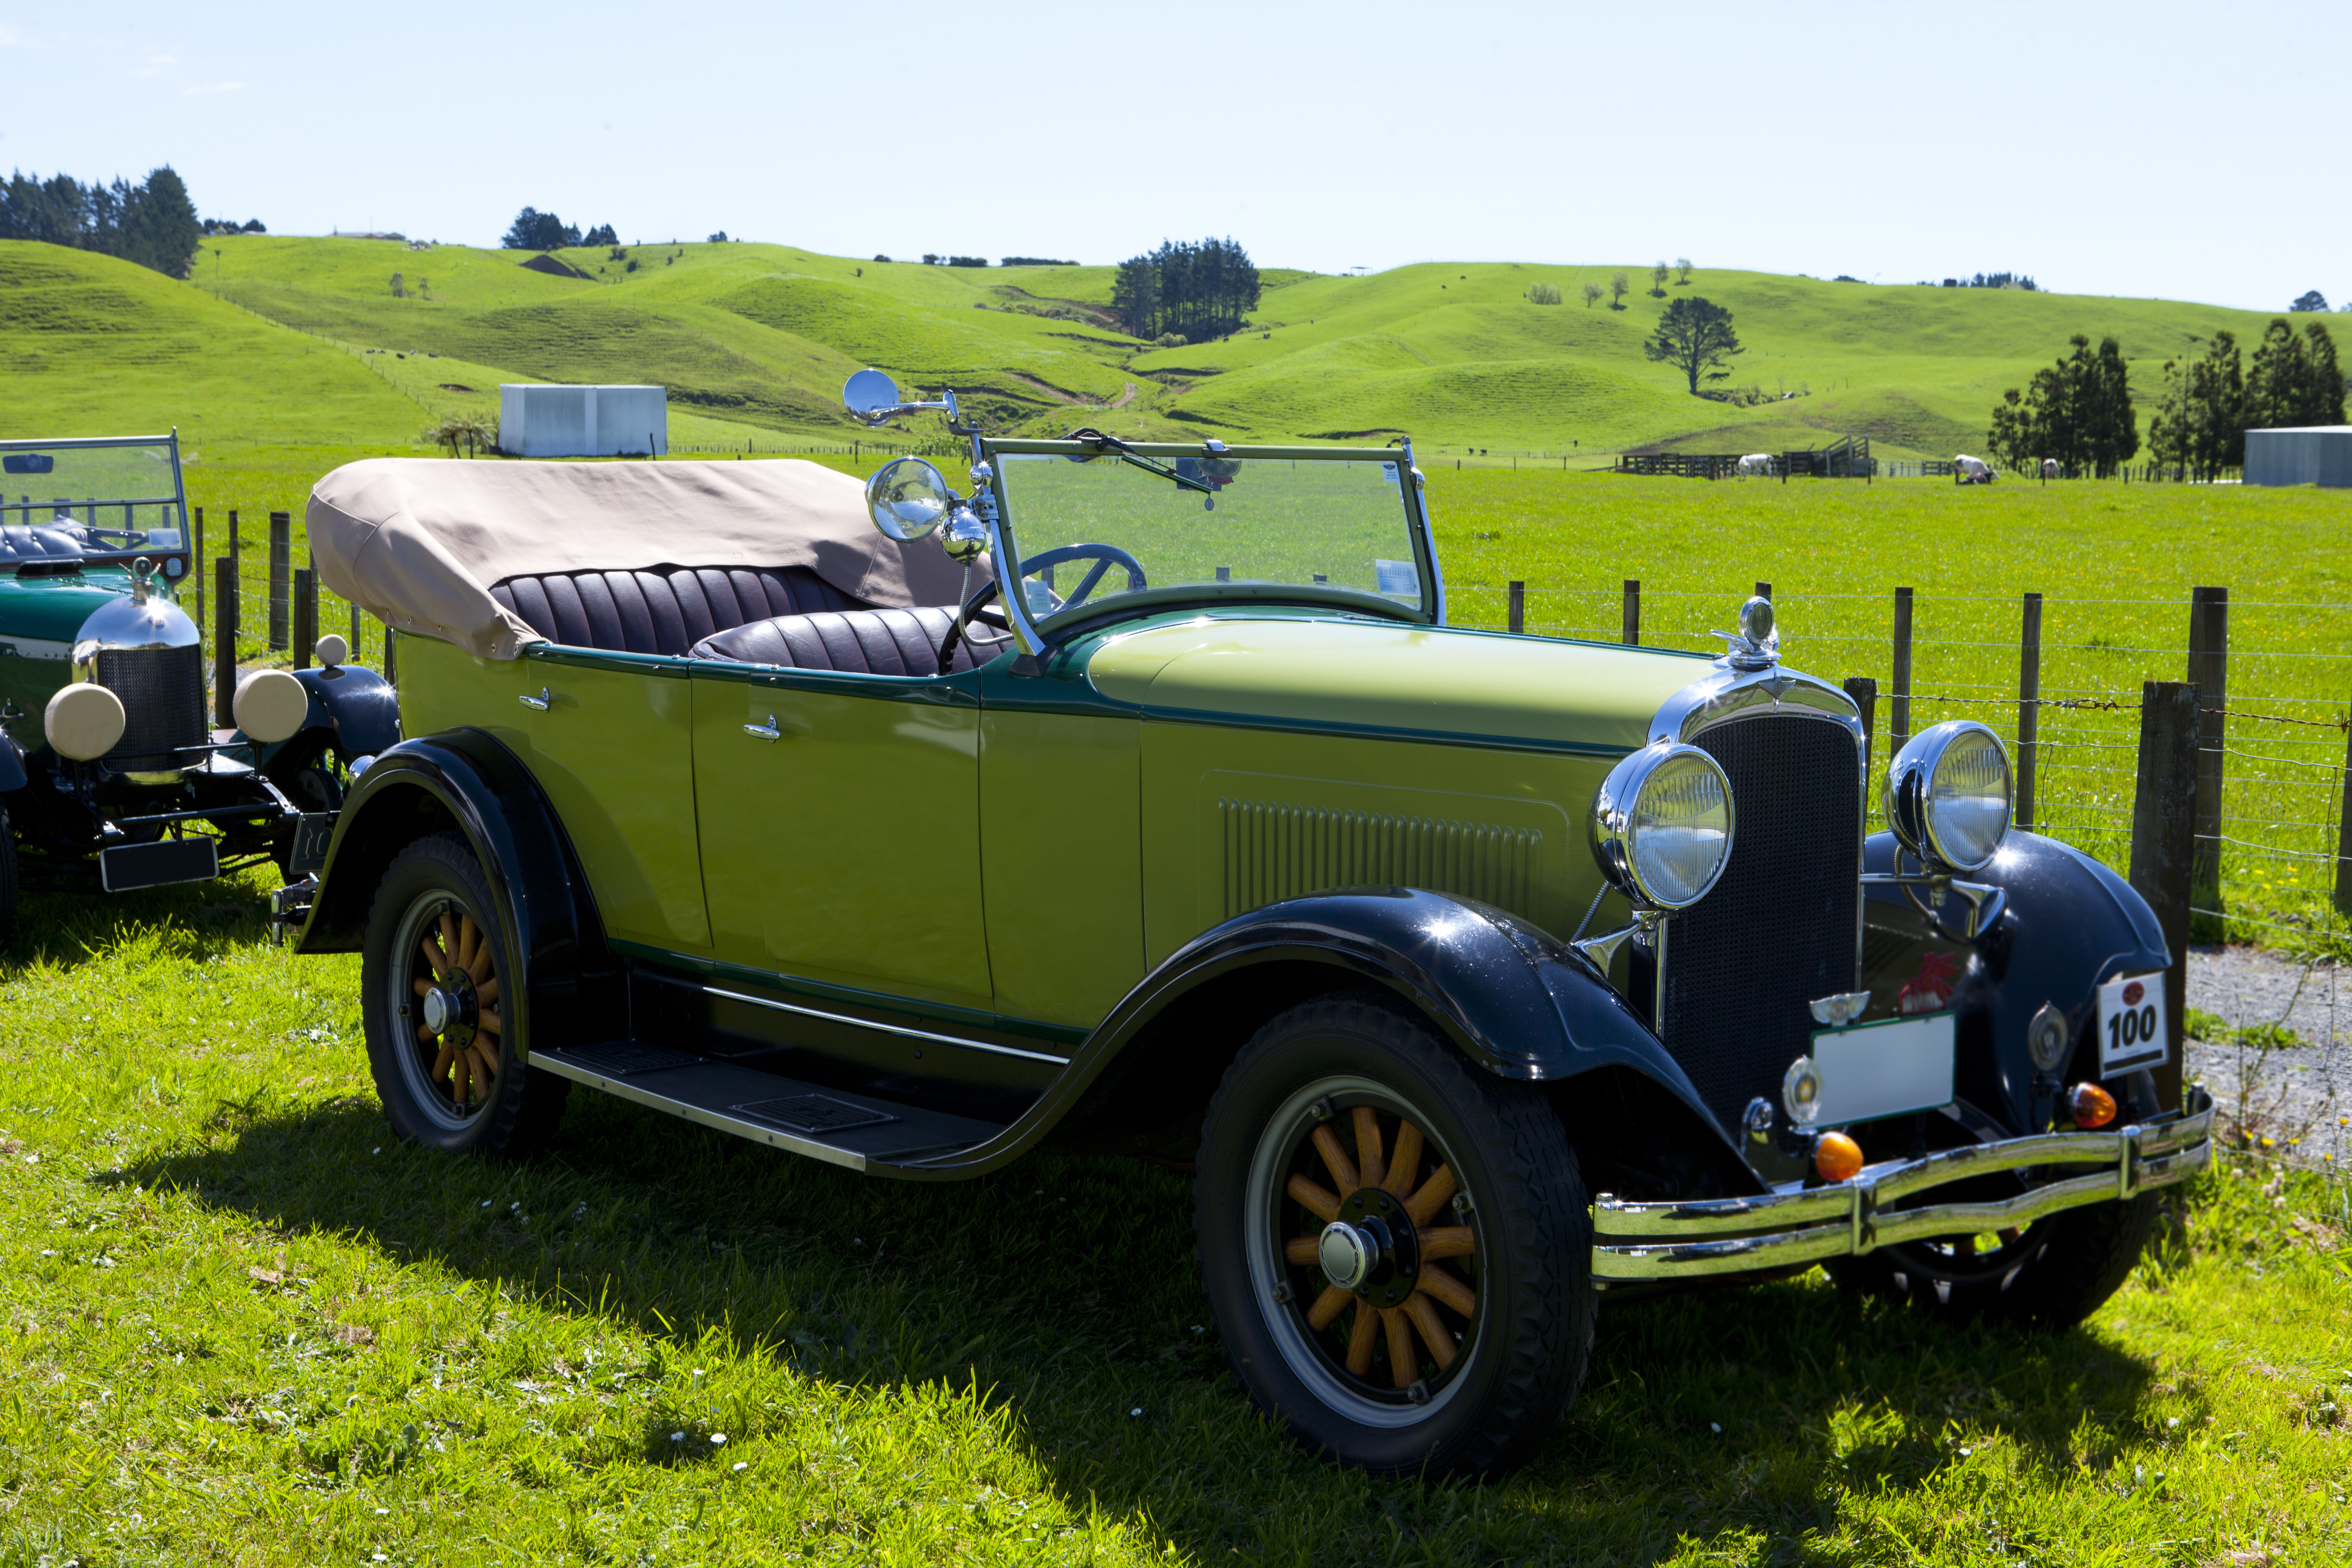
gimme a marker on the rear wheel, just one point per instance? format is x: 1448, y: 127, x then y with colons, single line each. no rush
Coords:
x: 7, y: 880
x: 448, y: 1062
x: 1394, y: 1245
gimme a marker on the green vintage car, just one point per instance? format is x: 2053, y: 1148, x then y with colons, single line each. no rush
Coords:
x: 1139, y: 799
x: 112, y: 776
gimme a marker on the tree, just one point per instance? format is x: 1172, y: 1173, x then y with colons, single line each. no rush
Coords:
x: 2311, y: 299
x: 159, y: 223
x: 2078, y: 411
x: 1543, y: 294
x: 2293, y: 381
x: 2201, y: 422
x: 1683, y: 266
x: 601, y: 235
x: 152, y: 222
x: 1658, y: 275
x: 1694, y: 336
x: 1618, y: 289
x: 536, y: 230
x: 461, y: 430
x: 1591, y: 292
x: 1197, y: 291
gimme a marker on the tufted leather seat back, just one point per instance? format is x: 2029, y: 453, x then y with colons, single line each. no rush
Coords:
x: 666, y: 610
x: 861, y: 642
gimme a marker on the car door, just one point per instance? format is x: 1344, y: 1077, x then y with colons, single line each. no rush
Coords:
x: 610, y: 738
x: 840, y: 819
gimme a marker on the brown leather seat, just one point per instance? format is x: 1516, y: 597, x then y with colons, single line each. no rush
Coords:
x: 665, y: 610
x: 861, y: 642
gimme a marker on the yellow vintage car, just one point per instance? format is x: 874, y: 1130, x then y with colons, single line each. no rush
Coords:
x: 1140, y: 798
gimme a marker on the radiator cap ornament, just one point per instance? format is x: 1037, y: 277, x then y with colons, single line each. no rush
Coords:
x: 1757, y: 644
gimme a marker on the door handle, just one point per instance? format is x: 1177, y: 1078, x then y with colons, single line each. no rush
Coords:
x: 540, y: 703
x: 771, y: 730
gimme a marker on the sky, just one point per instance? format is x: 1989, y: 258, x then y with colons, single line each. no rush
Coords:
x: 2184, y: 151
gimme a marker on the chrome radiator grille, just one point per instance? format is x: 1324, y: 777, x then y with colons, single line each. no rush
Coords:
x: 162, y: 692
x: 1778, y: 929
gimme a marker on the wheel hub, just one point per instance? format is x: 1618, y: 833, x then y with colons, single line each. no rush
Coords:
x: 450, y: 1009
x: 1370, y: 1249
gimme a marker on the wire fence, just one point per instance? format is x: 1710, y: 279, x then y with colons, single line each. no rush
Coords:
x: 2275, y: 698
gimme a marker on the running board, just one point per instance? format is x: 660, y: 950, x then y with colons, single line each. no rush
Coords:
x: 833, y: 1125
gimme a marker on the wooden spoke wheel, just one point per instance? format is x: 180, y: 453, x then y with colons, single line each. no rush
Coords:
x: 1394, y: 1241
x: 454, y: 984
x: 1377, y: 1249
x: 444, y: 1013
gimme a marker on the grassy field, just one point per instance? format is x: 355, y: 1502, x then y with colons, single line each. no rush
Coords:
x: 758, y: 338
x: 243, y: 1324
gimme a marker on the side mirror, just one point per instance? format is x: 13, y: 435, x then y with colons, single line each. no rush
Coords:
x: 870, y: 395
x: 906, y: 496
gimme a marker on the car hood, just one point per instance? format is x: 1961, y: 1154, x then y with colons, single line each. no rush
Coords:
x: 1404, y: 680
x: 41, y: 615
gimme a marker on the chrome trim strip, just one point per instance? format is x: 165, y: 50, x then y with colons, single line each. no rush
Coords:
x: 758, y: 1133
x: 1642, y: 1241
x: 897, y: 1029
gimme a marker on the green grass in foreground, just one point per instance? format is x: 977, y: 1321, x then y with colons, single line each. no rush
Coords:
x: 240, y: 1323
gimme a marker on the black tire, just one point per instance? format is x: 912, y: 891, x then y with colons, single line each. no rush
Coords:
x: 2052, y: 1273
x: 434, y: 896
x: 1519, y: 1225
x: 8, y: 886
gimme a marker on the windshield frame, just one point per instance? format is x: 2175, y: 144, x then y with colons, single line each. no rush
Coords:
x: 1058, y: 626
x: 174, y: 564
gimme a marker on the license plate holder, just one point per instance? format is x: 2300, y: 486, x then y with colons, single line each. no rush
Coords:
x: 125, y: 868
x: 1888, y: 1068
x: 2134, y: 1032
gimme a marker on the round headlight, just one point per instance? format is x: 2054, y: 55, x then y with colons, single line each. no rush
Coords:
x: 907, y: 499
x: 1662, y: 825
x: 1947, y: 795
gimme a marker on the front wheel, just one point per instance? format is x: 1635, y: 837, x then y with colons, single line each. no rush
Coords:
x: 1394, y: 1245
x: 2054, y: 1272
x: 433, y: 971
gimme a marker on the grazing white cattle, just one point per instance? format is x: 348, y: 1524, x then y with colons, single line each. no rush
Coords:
x: 1968, y: 470
x: 1759, y: 463
x: 2049, y: 467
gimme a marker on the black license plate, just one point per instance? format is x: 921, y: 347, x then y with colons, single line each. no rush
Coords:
x: 158, y: 864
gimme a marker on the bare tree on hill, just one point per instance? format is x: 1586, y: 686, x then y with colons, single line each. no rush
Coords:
x: 1618, y: 289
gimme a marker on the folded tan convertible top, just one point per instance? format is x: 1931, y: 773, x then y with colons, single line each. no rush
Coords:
x: 419, y: 541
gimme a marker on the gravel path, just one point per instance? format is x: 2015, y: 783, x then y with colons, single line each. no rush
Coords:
x: 2300, y: 1091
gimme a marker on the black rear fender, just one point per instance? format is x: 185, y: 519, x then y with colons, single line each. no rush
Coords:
x: 466, y: 781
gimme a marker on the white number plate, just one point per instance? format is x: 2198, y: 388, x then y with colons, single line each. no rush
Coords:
x: 2132, y: 1026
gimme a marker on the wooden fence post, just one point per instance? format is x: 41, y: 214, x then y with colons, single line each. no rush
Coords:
x: 2209, y: 671
x: 2029, y: 709
x: 1864, y: 689
x: 391, y: 657
x: 1763, y: 590
x: 306, y: 619
x: 355, y: 634
x: 1899, y: 725
x: 2343, y: 835
x: 1632, y: 634
x: 224, y: 641
x: 1519, y: 606
x: 2163, y: 845
x: 281, y: 563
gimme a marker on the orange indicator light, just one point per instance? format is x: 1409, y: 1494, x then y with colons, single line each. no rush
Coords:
x: 1837, y: 1156
x: 2092, y: 1106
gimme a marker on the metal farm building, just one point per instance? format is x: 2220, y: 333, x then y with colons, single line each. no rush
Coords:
x: 539, y: 421
x: 2318, y: 455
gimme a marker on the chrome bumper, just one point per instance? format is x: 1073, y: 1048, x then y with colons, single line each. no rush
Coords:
x: 1635, y: 1242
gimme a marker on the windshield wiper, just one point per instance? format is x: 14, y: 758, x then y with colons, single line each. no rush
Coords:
x: 1113, y: 445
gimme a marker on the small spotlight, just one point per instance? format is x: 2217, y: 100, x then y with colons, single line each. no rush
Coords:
x: 1837, y: 1157
x: 2092, y: 1106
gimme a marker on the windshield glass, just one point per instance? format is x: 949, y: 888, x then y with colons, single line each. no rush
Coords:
x: 1250, y: 522
x: 101, y: 497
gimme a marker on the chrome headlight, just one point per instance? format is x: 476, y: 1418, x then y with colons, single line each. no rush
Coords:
x: 1662, y: 825
x: 1947, y: 795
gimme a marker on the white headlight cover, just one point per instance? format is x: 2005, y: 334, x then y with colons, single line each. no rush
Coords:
x: 1947, y: 795
x: 1662, y: 824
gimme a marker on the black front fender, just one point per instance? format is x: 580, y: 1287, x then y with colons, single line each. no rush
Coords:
x: 12, y: 763
x: 2070, y: 925
x: 466, y: 780
x: 1508, y: 996
x: 356, y: 711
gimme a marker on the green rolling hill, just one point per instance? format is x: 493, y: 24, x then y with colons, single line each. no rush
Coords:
x: 284, y: 341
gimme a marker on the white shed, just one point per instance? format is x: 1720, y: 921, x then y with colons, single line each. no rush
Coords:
x: 2315, y: 455
x: 542, y: 421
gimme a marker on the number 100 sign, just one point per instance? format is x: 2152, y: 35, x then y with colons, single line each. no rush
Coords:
x: 2132, y: 1033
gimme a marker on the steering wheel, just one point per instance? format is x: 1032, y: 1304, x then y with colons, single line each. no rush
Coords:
x: 1105, y: 557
